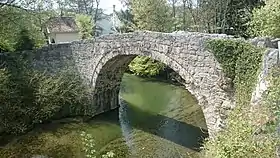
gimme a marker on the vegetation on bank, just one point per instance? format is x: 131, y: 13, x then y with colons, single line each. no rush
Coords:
x: 68, y: 138
x: 145, y: 67
x: 28, y: 97
x: 89, y: 147
x: 246, y: 133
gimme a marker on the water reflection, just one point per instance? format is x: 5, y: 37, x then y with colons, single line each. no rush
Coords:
x: 163, y: 119
x: 170, y: 129
x: 154, y: 120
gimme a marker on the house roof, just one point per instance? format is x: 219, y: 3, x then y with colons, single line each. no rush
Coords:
x: 62, y: 24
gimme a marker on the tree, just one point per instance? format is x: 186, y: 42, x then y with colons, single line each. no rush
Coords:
x: 96, y: 17
x: 239, y: 15
x: 4, y: 3
x: 220, y: 16
x: 13, y: 21
x: 85, y: 26
x: 24, y: 41
x: 40, y: 11
x: 173, y: 3
x: 152, y: 15
x: 265, y: 20
x: 146, y: 67
x: 80, y: 6
x: 127, y: 23
x: 184, y: 15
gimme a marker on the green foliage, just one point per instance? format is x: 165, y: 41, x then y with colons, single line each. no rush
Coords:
x: 80, y: 7
x: 24, y: 41
x: 241, y: 138
x: 28, y: 97
x: 85, y: 26
x: 146, y: 67
x: 89, y: 147
x: 234, y: 61
x: 265, y: 20
x: 220, y: 16
x: 126, y: 21
x: 152, y: 15
x: 272, y: 99
x: 15, y: 24
x: 5, y: 46
x: 236, y: 16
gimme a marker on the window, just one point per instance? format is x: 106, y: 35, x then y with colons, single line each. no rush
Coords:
x: 52, y: 40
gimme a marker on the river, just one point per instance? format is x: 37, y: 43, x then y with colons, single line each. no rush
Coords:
x: 155, y: 120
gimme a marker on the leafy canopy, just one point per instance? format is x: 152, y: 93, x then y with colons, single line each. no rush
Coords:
x: 265, y: 20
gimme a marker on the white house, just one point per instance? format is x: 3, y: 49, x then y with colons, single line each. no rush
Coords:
x: 65, y: 29
x: 62, y: 30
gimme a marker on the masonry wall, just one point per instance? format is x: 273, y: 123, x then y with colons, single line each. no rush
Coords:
x: 101, y: 63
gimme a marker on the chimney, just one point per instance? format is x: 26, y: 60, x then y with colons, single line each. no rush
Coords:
x: 114, y: 8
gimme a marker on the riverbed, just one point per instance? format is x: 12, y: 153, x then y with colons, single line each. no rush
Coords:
x: 155, y: 120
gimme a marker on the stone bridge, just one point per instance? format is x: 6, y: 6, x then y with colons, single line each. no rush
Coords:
x: 102, y: 62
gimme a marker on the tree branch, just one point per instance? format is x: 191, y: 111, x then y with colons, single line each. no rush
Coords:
x: 10, y: 4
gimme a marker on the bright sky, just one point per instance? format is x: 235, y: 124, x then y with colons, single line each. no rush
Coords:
x: 107, y: 5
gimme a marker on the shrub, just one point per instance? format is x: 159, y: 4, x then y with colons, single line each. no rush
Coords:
x: 89, y: 147
x: 146, y: 67
x: 242, y: 137
x: 24, y: 41
x: 272, y: 99
x: 28, y: 97
x: 265, y: 20
x: 85, y: 26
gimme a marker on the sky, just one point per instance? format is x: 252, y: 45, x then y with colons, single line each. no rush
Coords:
x: 107, y: 5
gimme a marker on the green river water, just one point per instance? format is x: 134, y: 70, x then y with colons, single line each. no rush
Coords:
x: 155, y: 120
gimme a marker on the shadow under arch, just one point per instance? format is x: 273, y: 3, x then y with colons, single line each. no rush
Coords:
x: 107, y: 78
x: 186, y: 135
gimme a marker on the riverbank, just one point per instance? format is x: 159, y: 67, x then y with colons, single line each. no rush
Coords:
x: 153, y: 119
x: 167, y: 76
x: 62, y: 138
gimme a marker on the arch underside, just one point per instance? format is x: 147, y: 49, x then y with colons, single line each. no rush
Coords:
x: 107, y: 85
x: 108, y: 74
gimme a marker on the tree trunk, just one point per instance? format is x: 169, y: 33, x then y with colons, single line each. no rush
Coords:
x: 174, y: 13
x: 184, y: 15
x: 95, y: 17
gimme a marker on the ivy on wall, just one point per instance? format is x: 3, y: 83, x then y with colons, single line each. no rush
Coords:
x: 240, y: 62
x: 272, y: 99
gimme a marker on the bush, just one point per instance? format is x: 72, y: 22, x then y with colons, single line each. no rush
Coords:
x: 5, y: 46
x: 16, y: 22
x: 24, y: 41
x: 242, y: 137
x: 146, y: 67
x: 265, y: 20
x: 85, y: 26
x: 89, y: 147
x: 272, y: 99
x: 28, y: 97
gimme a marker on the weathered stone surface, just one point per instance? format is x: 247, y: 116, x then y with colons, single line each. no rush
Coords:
x: 270, y: 60
x: 265, y: 42
x: 102, y: 62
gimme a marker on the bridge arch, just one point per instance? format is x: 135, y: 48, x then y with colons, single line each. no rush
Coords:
x: 185, y: 55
